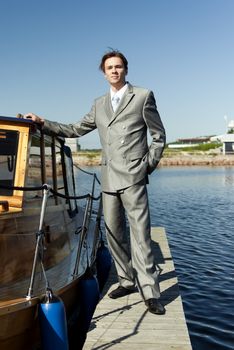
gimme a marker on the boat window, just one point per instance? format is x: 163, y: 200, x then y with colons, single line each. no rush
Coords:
x: 34, y: 168
x: 53, y: 166
x: 59, y: 170
x: 48, y: 162
x: 45, y: 164
x: 36, y: 164
x: 68, y: 163
x: 8, y: 153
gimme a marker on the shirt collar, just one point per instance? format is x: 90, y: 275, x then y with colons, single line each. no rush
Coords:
x: 120, y: 92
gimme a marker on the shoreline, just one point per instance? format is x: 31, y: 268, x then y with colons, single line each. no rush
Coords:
x: 93, y: 158
x: 198, y: 160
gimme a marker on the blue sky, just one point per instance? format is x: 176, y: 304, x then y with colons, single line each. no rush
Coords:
x: 181, y: 49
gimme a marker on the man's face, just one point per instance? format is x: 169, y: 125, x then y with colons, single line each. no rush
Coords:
x: 115, y: 72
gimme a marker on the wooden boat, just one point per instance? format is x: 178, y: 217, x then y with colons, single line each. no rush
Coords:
x: 45, y: 239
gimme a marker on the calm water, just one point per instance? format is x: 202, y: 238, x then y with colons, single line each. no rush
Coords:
x: 196, y: 207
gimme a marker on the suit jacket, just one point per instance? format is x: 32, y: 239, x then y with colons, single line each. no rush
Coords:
x: 126, y: 157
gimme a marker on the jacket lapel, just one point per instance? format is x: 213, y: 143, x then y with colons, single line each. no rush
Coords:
x: 122, y: 105
x: 108, y: 107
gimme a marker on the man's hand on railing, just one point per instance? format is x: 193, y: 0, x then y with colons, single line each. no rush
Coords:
x: 31, y: 116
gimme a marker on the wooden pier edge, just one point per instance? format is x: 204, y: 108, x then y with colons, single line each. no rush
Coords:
x: 125, y: 324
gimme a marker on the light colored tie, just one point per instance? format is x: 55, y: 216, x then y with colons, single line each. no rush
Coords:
x: 115, y: 101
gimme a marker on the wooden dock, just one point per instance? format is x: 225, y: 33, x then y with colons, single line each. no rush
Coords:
x: 125, y: 324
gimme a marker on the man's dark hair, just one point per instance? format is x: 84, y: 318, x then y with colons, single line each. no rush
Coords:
x: 113, y: 53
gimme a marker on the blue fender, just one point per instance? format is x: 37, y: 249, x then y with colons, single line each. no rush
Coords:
x: 53, y: 324
x: 103, y: 265
x: 88, y: 297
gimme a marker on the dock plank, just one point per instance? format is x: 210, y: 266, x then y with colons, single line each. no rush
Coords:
x: 125, y: 324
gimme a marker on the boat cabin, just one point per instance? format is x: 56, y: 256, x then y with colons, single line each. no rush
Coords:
x: 29, y: 158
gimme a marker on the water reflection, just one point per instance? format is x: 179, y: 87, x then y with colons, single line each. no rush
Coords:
x: 229, y: 176
x: 196, y: 207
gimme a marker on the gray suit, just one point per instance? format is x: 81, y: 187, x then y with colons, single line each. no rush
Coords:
x: 126, y: 162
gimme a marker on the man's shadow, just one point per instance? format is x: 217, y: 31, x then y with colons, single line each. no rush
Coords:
x: 172, y: 292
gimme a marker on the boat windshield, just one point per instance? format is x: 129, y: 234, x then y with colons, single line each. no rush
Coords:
x: 8, y: 153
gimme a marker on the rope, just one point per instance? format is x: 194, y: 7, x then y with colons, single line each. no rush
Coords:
x: 86, y: 172
x: 45, y: 187
x: 41, y: 258
x: 74, y: 197
x: 17, y: 188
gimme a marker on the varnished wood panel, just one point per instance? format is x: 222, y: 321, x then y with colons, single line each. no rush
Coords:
x: 15, y: 201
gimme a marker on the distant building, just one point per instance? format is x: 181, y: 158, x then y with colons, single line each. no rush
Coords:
x: 73, y: 143
x: 190, y: 142
x: 227, y: 139
x: 228, y: 142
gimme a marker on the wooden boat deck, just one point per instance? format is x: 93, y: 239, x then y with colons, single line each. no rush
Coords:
x: 125, y: 324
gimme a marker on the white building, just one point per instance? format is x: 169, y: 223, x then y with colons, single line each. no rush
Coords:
x: 226, y: 139
x: 73, y: 143
x: 189, y: 142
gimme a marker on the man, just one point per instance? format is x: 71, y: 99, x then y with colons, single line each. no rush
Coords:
x: 122, y: 118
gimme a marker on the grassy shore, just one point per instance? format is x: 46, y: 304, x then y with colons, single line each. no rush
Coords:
x: 213, y: 157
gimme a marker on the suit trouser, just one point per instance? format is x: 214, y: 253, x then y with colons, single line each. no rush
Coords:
x: 135, y: 264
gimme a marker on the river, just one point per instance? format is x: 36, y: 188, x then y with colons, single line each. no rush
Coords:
x: 196, y: 207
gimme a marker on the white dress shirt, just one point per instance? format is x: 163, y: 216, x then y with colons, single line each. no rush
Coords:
x: 116, y: 96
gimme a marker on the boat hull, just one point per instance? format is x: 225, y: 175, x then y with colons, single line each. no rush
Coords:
x: 19, y: 316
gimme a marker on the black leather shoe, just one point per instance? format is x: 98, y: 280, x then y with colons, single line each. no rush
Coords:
x: 155, y: 307
x: 120, y: 292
